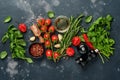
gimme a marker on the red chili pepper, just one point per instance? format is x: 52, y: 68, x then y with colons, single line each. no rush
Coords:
x: 89, y: 44
x: 85, y: 37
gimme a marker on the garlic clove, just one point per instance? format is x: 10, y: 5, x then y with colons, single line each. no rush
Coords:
x: 57, y: 45
x: 60, y: 37
x: 32, y: 38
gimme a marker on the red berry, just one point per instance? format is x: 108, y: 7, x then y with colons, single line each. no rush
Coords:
x: 70, y: 51
x: 48, y: 22
x: 22, y: 27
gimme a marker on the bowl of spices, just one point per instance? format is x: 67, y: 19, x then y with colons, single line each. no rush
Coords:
x: 36, y: 50
x: 62, y: 24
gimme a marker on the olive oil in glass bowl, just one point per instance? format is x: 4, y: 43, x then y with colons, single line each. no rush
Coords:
x: 62, y: 24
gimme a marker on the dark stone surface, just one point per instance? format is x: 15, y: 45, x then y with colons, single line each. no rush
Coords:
x: 43, y: 69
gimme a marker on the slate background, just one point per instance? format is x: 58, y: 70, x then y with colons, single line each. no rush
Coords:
x: 43, y: 69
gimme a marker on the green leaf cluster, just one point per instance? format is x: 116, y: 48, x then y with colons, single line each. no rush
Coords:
x: 17, y: 43
x: 3, y: 54
x: 99, y: 35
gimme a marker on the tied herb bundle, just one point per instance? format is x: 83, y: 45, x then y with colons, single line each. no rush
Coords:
x: 99, y: 35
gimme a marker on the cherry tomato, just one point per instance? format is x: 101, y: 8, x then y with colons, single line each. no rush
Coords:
x: 56, y: 55
x: 22, y: 27
x: 47, y: 22
x: 41, y: 21
x: 54, y: 38
x: 70, y: 51
x: 48, y: 53
x: 76, y: 41
x: 43, y: 28
x: 47, y: 43
x: 51, y: 29
x: 46, y: 36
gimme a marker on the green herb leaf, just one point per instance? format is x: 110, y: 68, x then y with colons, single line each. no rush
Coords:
x: 21, y: 42
x: 7, y: 19
x: 3, y: 54
x: 29, y: 60
x: 5, y: 38
x: 99, y: 33
x: 88, y: 19
x: 109, y: 17
x: 51, y: 14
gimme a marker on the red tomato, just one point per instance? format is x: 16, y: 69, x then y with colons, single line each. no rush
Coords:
x: 48, y: 53
x: 70, y: 51
x: 47, y: 22
x: 22, y: 27
x: 51, y: 29
x: 46, y: 36
x: 41, y: 21
x: 56, y: 55
x: 47, y: 43
x: 76, y: 41
x: 54, y: 38
x: 43, y: 28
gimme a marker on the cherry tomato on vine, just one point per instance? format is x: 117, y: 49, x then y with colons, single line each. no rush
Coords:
x: 48, y: 53
x: 56, y: 55
x: 41, y: 21
x: 51, y: 29
x: 48, y: 22
x: 54, y: 38
x: 47, y: 43
x: 46, y: 36
x: 43, y: 28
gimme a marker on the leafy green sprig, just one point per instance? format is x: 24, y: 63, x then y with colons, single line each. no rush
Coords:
x: 17, y: 43
x: 99, y: 35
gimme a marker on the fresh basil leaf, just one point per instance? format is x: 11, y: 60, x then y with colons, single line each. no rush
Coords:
x: 51, y: 14
x: 12, y: 46
x: 7, y: 19
x: 18, y: 34
x: 14, y: 55
x: 29, y: 60
x: 5, y: 38
x: 88, y: 19
x: 21, y: 42
x: 3, y: 54
x: 11, y: 37
x: 19, y: 47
